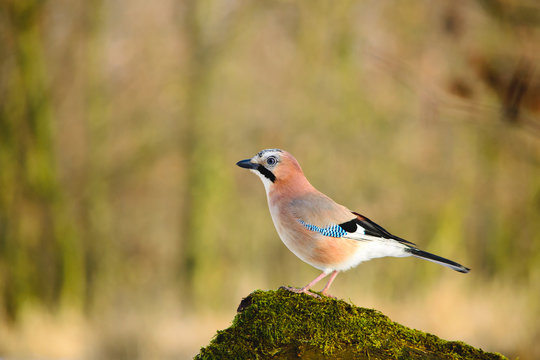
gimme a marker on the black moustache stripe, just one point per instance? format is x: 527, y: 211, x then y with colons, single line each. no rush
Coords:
x: 267, y: 173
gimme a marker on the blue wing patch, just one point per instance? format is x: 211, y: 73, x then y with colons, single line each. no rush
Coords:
x: 332, y: 230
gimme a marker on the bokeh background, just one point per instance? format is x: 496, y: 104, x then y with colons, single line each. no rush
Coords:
x: 127, y: 232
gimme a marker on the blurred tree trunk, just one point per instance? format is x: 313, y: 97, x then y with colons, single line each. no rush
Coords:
x: 206, y: 40
x: 95, y: 204
x: 40, y: 252
x: 198, y: 151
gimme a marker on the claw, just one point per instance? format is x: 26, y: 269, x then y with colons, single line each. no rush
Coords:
x: 328, y: 295
x: 301, y: 291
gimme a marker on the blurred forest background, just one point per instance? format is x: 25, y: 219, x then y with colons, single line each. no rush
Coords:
x: 127, y: 231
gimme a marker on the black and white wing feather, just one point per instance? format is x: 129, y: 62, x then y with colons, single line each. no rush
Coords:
x: 362, y: 228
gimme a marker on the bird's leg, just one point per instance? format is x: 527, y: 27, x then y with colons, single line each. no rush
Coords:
x: 306, y: 288
x: 327, y: 286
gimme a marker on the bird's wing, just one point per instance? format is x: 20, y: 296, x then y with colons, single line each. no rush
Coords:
x: 318, y: 210
x: 362, y: 228
x: 320, y: 214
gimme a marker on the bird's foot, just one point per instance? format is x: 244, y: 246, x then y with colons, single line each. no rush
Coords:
x: 328, y: 295
x: 300, y: 291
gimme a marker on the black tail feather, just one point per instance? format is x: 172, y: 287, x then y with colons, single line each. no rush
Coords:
x: 437, y: 259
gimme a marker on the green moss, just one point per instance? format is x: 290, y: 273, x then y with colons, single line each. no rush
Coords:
x: 283, y: 325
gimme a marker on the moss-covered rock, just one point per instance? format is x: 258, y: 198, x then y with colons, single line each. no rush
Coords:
x: 283, y: 325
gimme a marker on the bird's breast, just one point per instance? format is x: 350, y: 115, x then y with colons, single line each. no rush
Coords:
x: 322, y: 252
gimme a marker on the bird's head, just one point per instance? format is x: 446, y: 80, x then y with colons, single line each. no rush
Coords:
x: 274, y: 167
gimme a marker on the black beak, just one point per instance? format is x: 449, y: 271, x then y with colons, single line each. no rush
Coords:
x: 247, y: 164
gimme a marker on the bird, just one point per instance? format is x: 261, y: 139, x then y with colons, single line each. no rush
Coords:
x: 319, y: 231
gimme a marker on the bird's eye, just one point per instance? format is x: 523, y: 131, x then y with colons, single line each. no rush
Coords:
x: 271, y: 160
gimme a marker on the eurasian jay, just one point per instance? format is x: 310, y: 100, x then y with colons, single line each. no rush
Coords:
x: 321, y: 232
